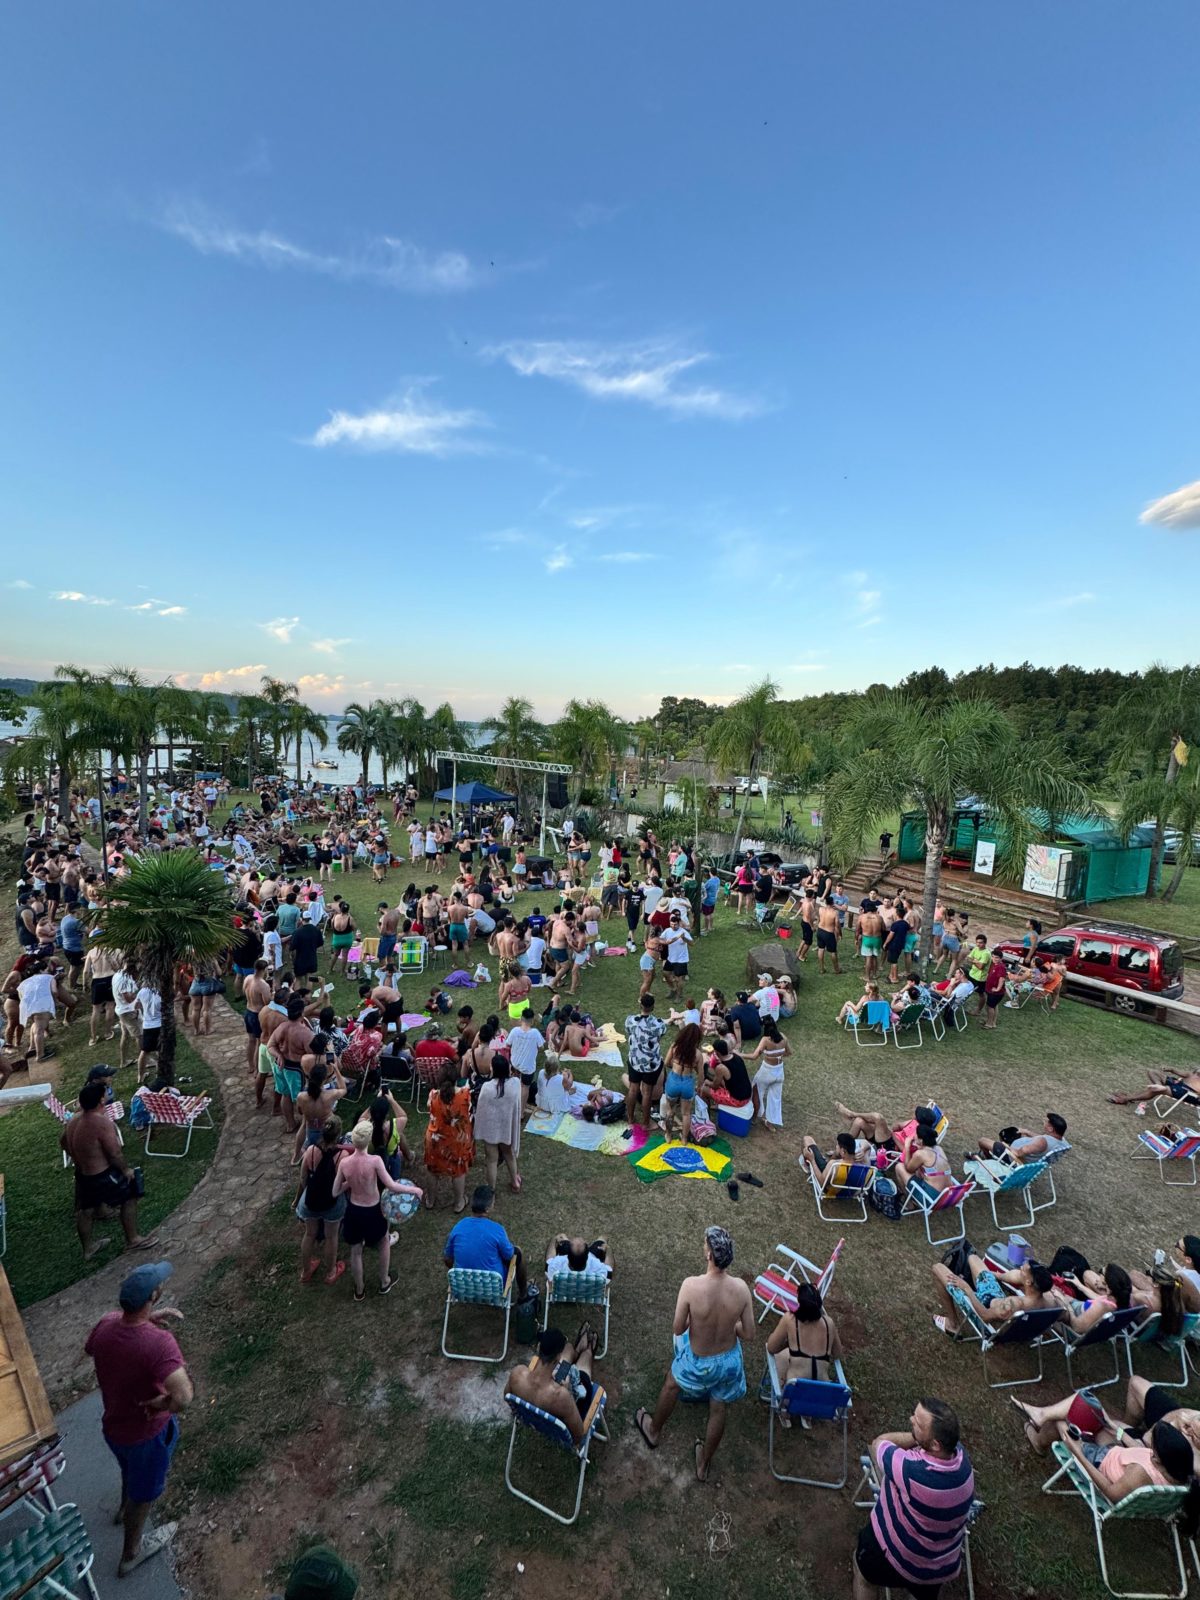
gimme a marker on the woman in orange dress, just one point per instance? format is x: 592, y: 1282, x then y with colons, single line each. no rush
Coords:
x: 450, y: 1137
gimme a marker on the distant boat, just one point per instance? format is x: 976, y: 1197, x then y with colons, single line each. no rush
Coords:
x: 331, y: 765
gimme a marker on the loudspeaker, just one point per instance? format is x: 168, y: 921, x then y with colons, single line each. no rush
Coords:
x: 556, y: 790
x: 445, y: 774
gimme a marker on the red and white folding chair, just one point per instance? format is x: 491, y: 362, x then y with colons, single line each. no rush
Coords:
x: 176, y: 1111
x: 775, y: 1288
x: 61, y: 1113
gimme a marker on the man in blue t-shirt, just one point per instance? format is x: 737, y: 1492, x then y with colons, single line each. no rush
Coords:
x: 709, y: 890
x: 481, y: 1245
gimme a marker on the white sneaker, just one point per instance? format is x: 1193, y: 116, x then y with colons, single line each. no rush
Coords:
x: 151, y: 1544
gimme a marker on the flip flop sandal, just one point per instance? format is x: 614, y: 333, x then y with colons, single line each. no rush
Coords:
x: 699, y: 1451
x: 332, y: 1277
x: 748, y: 1177
x: 734, y: 1191
x: 639, y: 1418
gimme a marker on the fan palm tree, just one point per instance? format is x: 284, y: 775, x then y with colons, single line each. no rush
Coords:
x: 168, y: 908
x: 517, y: 735
x: 753, y: 731
x: 1146, y: 727
x: 902, y: 753
x: 358, y: 733
x: 591, y: 737
x: 302, y: 722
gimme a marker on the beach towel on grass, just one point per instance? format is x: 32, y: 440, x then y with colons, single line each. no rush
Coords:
x: 563, y: 1128
x: 606, y: 1055
x: 659, y: 1159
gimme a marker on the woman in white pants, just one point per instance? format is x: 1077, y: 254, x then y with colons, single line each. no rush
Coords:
x: 768, y: 1080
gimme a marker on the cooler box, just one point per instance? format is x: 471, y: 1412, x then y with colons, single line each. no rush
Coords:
x: 735, y: 1119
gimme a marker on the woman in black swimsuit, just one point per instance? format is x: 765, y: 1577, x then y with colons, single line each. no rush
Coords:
x: 805, y: 1342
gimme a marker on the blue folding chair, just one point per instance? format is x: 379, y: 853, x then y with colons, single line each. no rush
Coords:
x: 580, y: 1289
x: 1032, y: 1330
x: 1111, y: 1330
x: 876, y: 1014
x: 808, y: 1400
x: 1150, y: 1333
x: 465, y: 1286
x: 996, y: 1178
x: 525, y: 1414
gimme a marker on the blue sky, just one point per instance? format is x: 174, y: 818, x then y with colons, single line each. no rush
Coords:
x: 471, y: 350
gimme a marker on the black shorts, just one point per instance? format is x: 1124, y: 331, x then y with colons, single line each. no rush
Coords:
x: 393, y: 1011
x: 53, y: 892
x: 677, y: 969
x: 102, y: 994
x: 994, y: 1000
x: 826, y: 940
x: 70, y: 894
x: 150, y: 1038
x: 806, y: 936
x: 74, y: 959
x: 1157, y: 1404
x: 644, y: 1077
x: 875, y: 1567
x: 253, y: 1025
x: 108, y: 1188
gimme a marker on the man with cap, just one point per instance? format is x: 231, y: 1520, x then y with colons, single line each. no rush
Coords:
x: 712, y: 1314
x: 144, y: 1385
x: 320, y: 1574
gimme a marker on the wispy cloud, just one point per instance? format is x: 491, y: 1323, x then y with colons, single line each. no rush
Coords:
x: 1180, y: 509
x: 173, y: 611
x: 19, y: 583
x: 82, y: 599
x: 806, y: 666
x: 385, y: 260
x: 626, y: 557
x: 329, y: 647
x: 865, y: 600
x: 158, y: 608
x: 281, y: 628
x: 1066, y: 602
x: 222, y: 678
x: 410, y: 424
x: 654, y: 373
x: 559, y: 559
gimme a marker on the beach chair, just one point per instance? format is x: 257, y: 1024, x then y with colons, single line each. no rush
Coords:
x: 26, y: 1482
x: 176, y: 1111
x: 412, y: 953
x: 907, y: 1023
x: 1149, y: 1332
x: 62, y: 1113
x: 580, y: 1289
x: 867, y: 1493
x: 49, y: 1560
x: 466, y: 1286
x: 849, y: 1181
x: 526, y: 1415
x: 808, y: 1400
x: 1111, y: 1330
x: 876, y: 1014
x: 1031, y: 1330
x: 1184, y: 1147
x: 926, y: 1202
x: 775, y: 1288
x: 996, y: 1178
x: 1153, y: 1504
x: 1049, y: 992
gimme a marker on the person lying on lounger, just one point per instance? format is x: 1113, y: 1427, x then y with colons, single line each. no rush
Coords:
x: 1182, y: 1086
x: 1146, y: 1405
x: 1094, y: 1295
x: 884, y: 1135
x: 1022, y: 1144
x: 993, y: 1296
x: 825, y: 1163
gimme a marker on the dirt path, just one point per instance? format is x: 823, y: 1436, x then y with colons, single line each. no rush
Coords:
x: 232, y: 1196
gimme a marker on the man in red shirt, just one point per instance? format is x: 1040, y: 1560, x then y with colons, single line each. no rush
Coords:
x: 432, y: 1053
x: 144, y: 1385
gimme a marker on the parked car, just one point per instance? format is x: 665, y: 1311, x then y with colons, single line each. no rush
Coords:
x: 1117, y: 953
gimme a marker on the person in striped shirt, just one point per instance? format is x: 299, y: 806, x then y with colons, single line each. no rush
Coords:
x: 913, y: 1542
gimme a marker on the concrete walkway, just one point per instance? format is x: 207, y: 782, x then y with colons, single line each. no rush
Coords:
x: 245, y: 1177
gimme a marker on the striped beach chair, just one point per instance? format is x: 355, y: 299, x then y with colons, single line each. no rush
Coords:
x: 849, y: 1182
x: 412, y: 953
x: 27, y: 1481
x: 920, y: 1200
x: 466, y: 1286
x: 1184, y: 1147
x: 176, y: 1111
x: 526, y: 1415
x: 580, y: 1289
x: 775, y: 1288
x: 995, y: 1178
x: 49, y: 1560
x: 63, y: 1113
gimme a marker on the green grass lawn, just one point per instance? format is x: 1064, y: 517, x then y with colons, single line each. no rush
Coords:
x: 1180, y: 916
x: 349, y: 1421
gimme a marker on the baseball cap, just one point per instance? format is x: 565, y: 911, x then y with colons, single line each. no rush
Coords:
x: 138, y: 1286
x: 764, y: 977
x: 320, y: 1574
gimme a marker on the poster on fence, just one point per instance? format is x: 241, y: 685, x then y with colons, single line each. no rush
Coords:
x: 985, y: 857
x: 1046, y: 867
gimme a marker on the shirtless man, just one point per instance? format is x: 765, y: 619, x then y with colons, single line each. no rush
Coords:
x: 712, y: 1314
x: 1183, y: 1086
x: 99, y: 967
x: 430, y: 909
x: 827, y: 934
x: 389, y: 924
x: 257, y: 990
x: 561, y: 1382
x: 102, y: 1175
x: 287, y: 1045
x: 869, y: 929
x: 984, y: 1291
x: 558, y: 946
x: 385, y: 997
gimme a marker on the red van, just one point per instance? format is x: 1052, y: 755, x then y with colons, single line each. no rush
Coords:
x: 1115, y: 952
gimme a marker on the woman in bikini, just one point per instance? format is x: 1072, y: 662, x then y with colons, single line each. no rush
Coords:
x: 804, y: 1342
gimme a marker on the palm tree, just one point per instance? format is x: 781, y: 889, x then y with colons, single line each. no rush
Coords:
x: 591, y: 737
x: 277, y: 696
x: 59, y: 737
x: 213, y: 718
x: 751, y: 732
x: 301, y: 722
x: 901, y: 753
x: 179, y: 718
x: 251, y: 713
x: 168, y: 908
x: 1146, y: 727
x: 442, y: 731
x: 516, y: 735
x: 358, y: 733
x: 1175, y: 804
x: 132, y: 720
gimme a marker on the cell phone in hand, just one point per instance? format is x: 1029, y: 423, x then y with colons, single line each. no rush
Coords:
x: 1074, y: 1431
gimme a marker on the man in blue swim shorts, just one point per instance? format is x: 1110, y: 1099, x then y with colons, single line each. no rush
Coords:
x: 712, y: 1315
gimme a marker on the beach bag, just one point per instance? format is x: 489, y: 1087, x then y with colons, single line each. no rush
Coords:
x: 1068, y: 1263
x: 613, y: 1112
x: 884, y: 1197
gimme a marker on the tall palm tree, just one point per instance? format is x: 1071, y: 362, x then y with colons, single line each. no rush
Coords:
x: 902, y: 753
x: 214, y: 719
x: 168, y: 908
x: 59, y: 737
x: 301, y: 722
x: 1145, y: 728
x: 1175, y: 804
x: 133, y: 719
x: 442, y: 731
x: 358, y: 733
x: 277, y: 696
x: 251, y: 714
x: 591, y: 737
x: 754, y: 731
x: 179, y: 717
x: 517, y: 735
